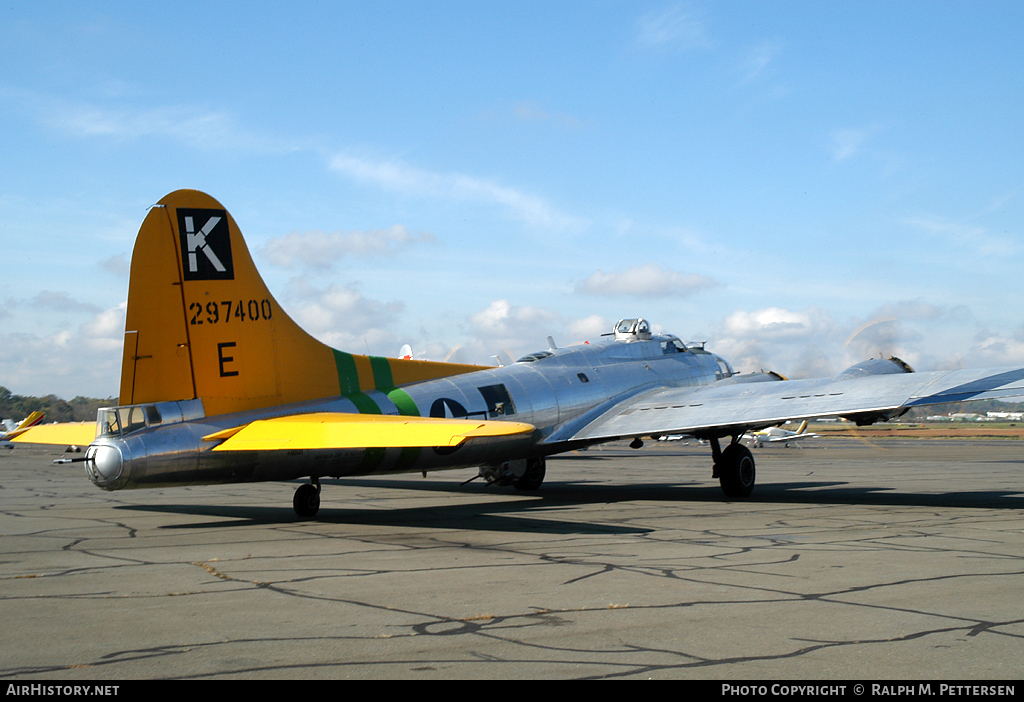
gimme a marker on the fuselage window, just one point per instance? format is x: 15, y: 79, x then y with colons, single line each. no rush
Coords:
x: 583, y: 377
x: 132, y: 419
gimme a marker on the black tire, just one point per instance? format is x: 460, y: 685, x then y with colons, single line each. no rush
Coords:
x: 536, y: 469
x: 306, y: 501
x: 736, y: 472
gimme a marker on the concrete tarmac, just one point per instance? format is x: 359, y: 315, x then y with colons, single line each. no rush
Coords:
x: 899, y: 560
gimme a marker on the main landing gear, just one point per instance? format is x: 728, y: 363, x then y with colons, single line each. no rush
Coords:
x: 536, y: 469
x: 522, y: 474
x: 734, y: 467
x: 307, y: 499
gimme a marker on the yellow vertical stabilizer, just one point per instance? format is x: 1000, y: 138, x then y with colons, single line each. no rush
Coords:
x: 201, y: 323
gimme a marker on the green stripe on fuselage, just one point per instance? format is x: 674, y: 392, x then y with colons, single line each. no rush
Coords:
x: 348, y: 381
x: 405, y: 404
x: 381, y: 372
x: 372, y: 457
x: 406, y: 407
x: 348, y: 375
x: 364, y: 403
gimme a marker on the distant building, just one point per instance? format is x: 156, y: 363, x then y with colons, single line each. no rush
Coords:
x: 1009, y: 416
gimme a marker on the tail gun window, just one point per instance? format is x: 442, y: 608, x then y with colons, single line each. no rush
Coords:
x: 119, y: 421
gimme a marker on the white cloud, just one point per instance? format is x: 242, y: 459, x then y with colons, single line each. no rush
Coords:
x: 811, y: 343
x: 188, y: 124
x: 125, y: 123
x: 972, y: 236
x: 758, y: 59
x: 589, y: 328
x: 61, y: 301
x: 847, y: 142
x: 796, y: 344
x: 515, y: 331
x: 84, y: 361
x: 104, y: 333
x: 530, y: 111
x: 674, y: 26
x: 999, y: 349
x: 401, y: 177
x: 771, y: 322
x: 319, y: 250
x: 502, y: 320
x: 341, y: 316
x: 118, y: 265
x: 647, y: 280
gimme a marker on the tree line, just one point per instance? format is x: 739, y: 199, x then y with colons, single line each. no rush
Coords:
x: 55, y: 409
x: 83, y: 409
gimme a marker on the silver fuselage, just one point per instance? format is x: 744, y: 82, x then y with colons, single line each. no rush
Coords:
x: 557, y: 393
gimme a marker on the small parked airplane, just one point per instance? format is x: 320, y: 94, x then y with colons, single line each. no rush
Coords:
x: 219, y: 385
x: 11, y: 429
x: 773, y: 435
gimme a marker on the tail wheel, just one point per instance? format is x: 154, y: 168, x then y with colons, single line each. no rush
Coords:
x: 736, y: 471
x: 307, y: 500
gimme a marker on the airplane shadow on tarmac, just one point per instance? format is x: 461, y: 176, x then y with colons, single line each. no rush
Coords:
x: 514, y: 515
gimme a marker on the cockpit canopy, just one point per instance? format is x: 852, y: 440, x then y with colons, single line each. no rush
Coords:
x: 538, y: 356
x: 633, y: 330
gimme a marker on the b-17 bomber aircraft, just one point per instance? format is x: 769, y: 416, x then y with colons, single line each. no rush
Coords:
x: 219, y: 385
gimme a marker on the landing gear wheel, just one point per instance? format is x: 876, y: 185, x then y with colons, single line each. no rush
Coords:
x: 736, y: 471
x: 307, y: 500
x: 534, y: 475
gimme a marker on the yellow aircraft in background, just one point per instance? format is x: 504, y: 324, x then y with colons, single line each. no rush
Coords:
x: 774, y: 435
x: 33, y: 431
x: 13, y: 430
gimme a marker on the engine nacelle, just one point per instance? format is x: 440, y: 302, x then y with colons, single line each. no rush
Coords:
x: 760, y: 377
x: 875, y: 366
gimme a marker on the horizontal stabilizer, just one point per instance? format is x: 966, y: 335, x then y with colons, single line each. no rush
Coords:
x: 339, y: 430
x: 64, y: 434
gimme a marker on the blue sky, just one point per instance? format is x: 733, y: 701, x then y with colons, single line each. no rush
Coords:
x: 800, y: 184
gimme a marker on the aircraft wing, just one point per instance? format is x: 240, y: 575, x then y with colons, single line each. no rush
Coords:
x: 725, y: 407
x: 340, y: 430
x: 65, y: 434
